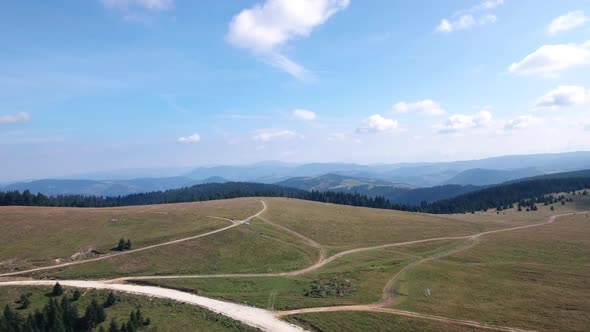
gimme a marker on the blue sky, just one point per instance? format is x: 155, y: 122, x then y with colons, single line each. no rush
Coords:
x: 112, y: 84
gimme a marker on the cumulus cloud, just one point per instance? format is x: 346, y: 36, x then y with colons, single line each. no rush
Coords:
x: 21, y: 117
x: 427, y: 106
x: 520, y: 122
x: 460, y: 122
x: 304, y: 114
x: 194, y: 138
x: 567, y: 22
x: 550, y: 60
x: 155, y: 5
x: 376, y: 124
x: 265, y: 28
x: 470, y: 17
x: 267, y: 135
x: 563, y: 96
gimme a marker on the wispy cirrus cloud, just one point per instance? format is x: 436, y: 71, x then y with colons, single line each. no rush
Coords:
x: 21, y: 117
x: 194, y: 138
x: 550, y: 60
x: 427, y: 106
x: 567, y: 22
x: 461, y: 122
x: 468, y: 18
x: 563, y: 96
x: 267, y: 135
x: 155, y: 5
x: 303, y: 114
x: 265, y: 28
x: 520, y: 122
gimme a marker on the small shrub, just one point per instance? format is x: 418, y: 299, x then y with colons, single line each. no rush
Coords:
x: 329, y: 288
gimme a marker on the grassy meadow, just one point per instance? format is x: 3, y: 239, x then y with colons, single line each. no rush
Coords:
x: 369, y: 321
x: 534, y: 278
x: 40, y: 236
x: 367, y: 271
x: 253, y: 248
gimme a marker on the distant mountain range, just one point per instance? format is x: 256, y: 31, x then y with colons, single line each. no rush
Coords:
x: 396, y: 192
x: 55, y: 187
x: 337, y: 182
x: 489, y: 170
x: 401, y: 182
x: 484, y: 177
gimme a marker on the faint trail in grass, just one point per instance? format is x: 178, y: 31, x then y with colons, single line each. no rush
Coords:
x: 370, y: 308
x: 322, y: 252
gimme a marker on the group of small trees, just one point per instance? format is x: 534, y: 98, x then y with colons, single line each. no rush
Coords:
x: 60, y: 315
x: 133, y: 324
x: 123, y: 245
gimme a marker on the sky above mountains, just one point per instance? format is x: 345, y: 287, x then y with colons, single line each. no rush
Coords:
x: 111, y: 84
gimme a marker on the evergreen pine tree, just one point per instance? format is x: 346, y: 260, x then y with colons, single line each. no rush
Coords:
x: 57, y: 290
x: 110, y: 300
x: 113, y: 326
x: 76, y: 295
x: 121, y: 245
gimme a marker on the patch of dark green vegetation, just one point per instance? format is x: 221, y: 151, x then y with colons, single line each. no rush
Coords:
x: 329, y: 288
x: 61, y: 315
x: 123, y: 245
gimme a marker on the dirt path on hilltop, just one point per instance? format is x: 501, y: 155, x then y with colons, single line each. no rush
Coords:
x: 322, y: 252
x: 332, y: 258
x: 108, y: 256
x: 410, y: 314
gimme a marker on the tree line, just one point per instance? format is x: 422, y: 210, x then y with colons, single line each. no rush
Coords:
x: 489, y: 198
x: 201, y: 192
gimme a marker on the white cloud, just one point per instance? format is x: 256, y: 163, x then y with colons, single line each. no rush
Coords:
x: 304, y: 114
x: 267, y: 135
x: 460, y: 122
x: 563, y: 96
x: 467, y: 18
x: 155, y: 5
x: 265, y: 28
x: 377, y: 123
x: 194, y: 138
x: 21, y: 117
x: 520, y: 122
x: 465, y: 21
x: 485, y: 5
x: 427, y: 106
x: 549, y: 60
x: 567, y: 22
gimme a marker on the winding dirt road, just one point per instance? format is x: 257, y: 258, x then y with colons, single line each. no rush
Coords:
x: 369, y: 308
x: 108, y: 256
x: 259, y: 318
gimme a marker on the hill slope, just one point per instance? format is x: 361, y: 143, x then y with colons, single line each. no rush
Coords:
x: 484, y: 177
